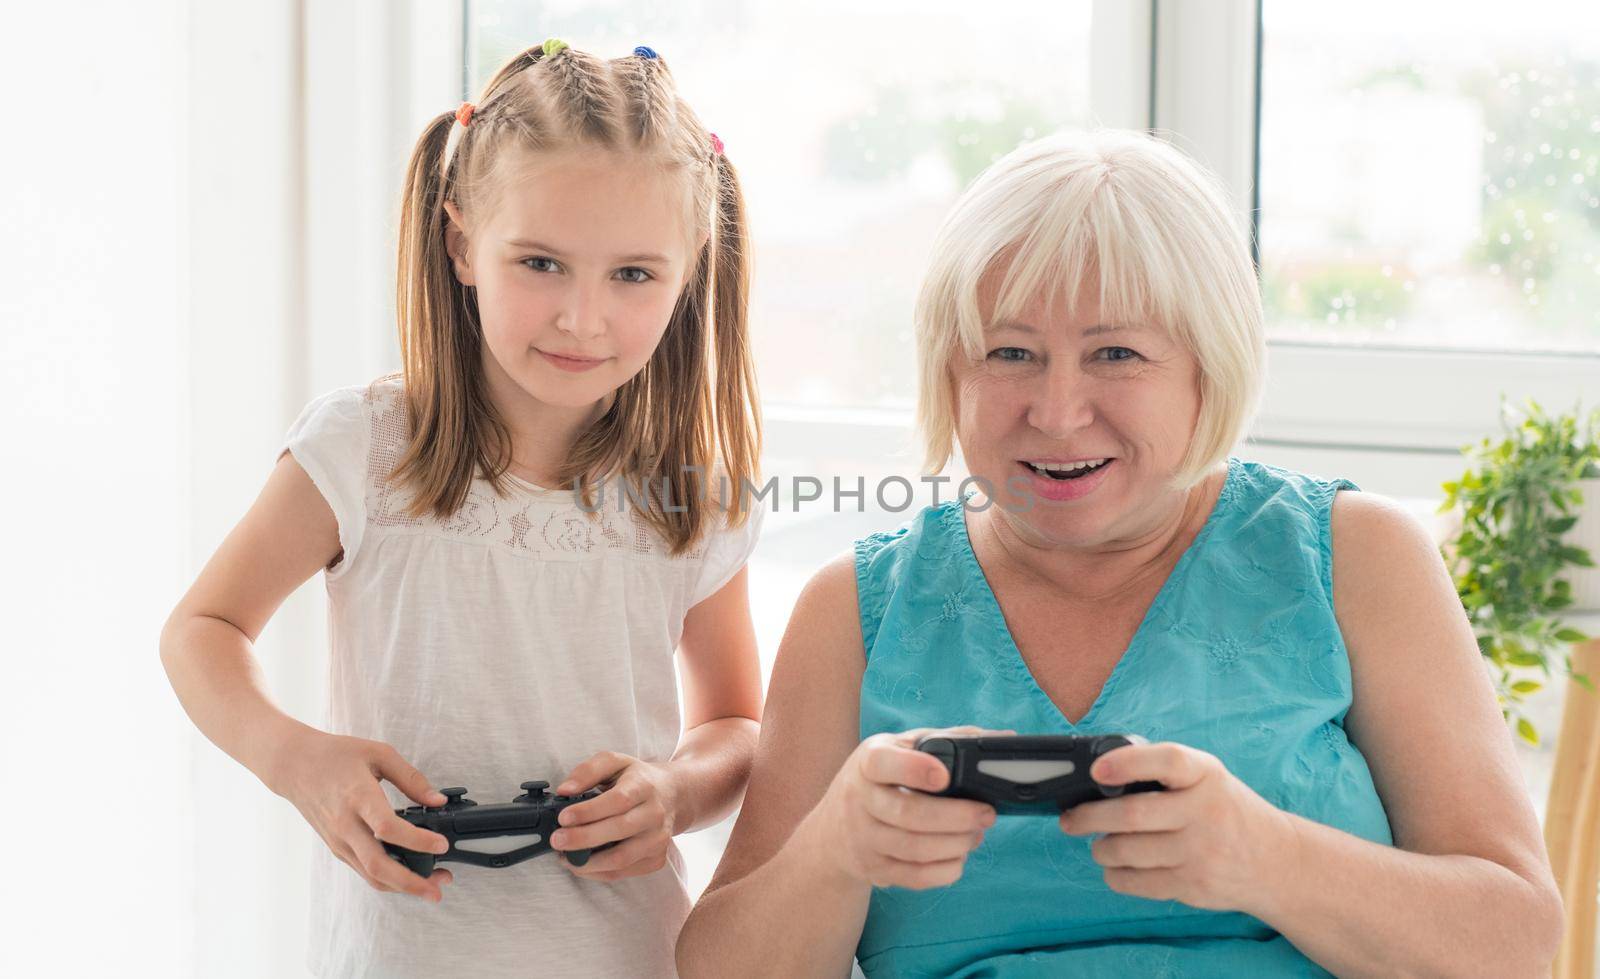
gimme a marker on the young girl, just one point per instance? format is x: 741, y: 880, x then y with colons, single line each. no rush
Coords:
x: 572, y: 301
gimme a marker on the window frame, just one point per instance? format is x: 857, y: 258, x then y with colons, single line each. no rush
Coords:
x: 1415, y: 399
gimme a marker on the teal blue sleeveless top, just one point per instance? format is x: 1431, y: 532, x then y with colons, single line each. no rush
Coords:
x: 1239, y: 655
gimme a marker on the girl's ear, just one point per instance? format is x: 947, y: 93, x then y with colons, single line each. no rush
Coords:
x: 455, y: 242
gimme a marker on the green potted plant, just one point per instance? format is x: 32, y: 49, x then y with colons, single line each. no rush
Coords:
x: 1523, y: 511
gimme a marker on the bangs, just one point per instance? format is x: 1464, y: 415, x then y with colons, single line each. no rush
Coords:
x: 1085, y: 247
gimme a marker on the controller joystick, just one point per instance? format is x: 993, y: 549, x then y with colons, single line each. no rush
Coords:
x: 535, y: 814
x: 1029, y: 774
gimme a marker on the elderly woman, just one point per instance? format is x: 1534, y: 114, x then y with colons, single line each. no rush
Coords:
x: 1341, y: 793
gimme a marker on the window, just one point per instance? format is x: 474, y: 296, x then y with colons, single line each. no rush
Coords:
x: 853, y: 129
x: 1431, y: 179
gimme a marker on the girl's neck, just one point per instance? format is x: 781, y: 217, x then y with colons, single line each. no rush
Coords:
x: 541, y: 434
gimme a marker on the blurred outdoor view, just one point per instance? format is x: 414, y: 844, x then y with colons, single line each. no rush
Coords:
x: 1431, y: 176
x: 851, y: 145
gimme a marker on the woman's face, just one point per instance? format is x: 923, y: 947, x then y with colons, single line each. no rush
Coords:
x: 1109, y: 408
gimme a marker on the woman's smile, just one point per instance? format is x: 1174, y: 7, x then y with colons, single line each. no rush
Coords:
x: 1065, y: 481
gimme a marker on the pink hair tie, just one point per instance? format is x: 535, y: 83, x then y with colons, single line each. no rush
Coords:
x: 716, y: 145
x: 464, y: 114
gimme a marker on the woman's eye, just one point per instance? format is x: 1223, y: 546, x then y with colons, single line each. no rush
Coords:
x: 541, y: 264
x: 1011, y: 355
x: 634, y: 274
x: 1117, y: 353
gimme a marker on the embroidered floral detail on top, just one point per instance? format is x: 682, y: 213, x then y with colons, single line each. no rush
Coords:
x: 536, y: 523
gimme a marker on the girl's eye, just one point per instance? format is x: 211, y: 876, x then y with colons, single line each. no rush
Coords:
x: 1115, y: 354
x: 541, y: 264
x: 1010, y: 355
x: 634, y: 274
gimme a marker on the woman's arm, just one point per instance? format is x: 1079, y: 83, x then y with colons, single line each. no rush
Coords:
x: 1469, y: 890
x: 773, y: 908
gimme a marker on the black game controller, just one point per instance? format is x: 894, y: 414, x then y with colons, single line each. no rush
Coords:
x: 460, y: 819
x: 1023, y: 775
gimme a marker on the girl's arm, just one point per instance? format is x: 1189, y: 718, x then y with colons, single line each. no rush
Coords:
x: 1469, y: 889
x: 207, y: 648
x: 648, y: 804
x: 288, y: 535
x: 721, y: 674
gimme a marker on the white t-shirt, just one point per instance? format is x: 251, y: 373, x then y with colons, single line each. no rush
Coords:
x: 507, y: 643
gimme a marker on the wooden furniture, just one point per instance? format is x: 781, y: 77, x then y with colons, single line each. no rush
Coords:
x: 1572, y: 817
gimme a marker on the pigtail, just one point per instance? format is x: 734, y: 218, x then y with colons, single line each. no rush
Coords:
x: 737, y: 401
x: 440, y: 346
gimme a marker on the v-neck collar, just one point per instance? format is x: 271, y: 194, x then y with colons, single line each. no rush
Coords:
x: 1013, y: 654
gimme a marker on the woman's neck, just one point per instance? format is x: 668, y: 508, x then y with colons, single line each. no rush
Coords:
x: 1103, y: 571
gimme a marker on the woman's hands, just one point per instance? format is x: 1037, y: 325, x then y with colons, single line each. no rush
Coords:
x: 873, y: 828
x: 335, y: 783
x: 1208, y: 840
x: 638, y: 812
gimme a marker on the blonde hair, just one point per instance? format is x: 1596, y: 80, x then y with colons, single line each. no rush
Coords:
x: 1115, y: 208
x: 694, y: 401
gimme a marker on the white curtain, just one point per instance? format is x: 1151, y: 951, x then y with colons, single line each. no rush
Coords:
x: 200, y: 203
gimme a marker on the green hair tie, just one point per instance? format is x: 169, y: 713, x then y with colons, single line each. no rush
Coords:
x: 552, y: 45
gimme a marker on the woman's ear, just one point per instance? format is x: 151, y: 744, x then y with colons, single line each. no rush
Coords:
x: 455, y: 242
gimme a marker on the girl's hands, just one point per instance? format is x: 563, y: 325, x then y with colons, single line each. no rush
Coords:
x: 874, y: 828
x: 638, y: 812
x: 1208, y: 841
x: 335, y: 783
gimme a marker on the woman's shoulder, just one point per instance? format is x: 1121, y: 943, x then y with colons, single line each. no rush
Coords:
x: 1261, y: 481
x: 1273, y: 507
x: 1371, y: 532
x: 879, y: 562
x: 929, y: 523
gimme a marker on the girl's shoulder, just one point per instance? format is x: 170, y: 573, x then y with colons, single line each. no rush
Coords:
x: 728, y: 544
x: 350, y: 412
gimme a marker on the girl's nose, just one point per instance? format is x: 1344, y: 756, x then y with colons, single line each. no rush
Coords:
x: 580, y: 315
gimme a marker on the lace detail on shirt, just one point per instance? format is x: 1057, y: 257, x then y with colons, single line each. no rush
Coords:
x: 548, y: 524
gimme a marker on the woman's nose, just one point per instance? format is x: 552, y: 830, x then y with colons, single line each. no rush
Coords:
x: 1060, y: 406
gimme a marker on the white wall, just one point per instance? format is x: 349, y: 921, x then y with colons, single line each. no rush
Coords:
x: 92, y: 392
x: 169, y: 167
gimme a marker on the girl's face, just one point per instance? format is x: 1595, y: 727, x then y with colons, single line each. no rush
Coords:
x: 1054, y: 391
x: 578, y: 264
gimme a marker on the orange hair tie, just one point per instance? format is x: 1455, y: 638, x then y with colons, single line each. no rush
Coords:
x: 464, y: 114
